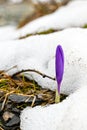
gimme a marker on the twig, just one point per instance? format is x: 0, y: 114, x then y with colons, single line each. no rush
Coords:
x: 15, y: 66
x: 3, y: 71
x: 4, y: 102
x: 32, y: 70
x: 33, y: 101
x: 1, y: 128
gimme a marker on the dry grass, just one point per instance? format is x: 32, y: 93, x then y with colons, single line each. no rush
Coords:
x: 20, y: 85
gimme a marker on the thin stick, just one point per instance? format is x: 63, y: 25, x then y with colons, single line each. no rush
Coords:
x: 6, y: 96
x: 31, y: 70
x: 1, y: 128
x: 15, y: 66
x: 33, y: 101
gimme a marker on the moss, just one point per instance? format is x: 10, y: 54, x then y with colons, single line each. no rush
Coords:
x: 46, y: 32
x: 39, y: 33
x: 85, y: 26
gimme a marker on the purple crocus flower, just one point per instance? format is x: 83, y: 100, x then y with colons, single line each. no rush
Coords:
x: 59, y: 66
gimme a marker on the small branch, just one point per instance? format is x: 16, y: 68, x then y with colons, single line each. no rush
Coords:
x: 11, y: 68
x: 31, y: 70
x: 4, y: 71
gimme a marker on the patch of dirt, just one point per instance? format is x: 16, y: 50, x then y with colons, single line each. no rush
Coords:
x: 18, y: 92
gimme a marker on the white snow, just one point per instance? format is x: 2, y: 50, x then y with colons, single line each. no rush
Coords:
x: 38, y: 52
x: 71, y: 113
x: 68, y: 115
x: 40, y: 1
x: 7, y: 33
x: 73, y: 14
x: 15, y: 1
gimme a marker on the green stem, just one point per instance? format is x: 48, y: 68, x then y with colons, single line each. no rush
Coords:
x: 57, y: 97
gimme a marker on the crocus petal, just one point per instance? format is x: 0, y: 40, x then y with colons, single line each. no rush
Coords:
x: 59, y: 64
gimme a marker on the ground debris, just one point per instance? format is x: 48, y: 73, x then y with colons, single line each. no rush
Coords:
x: 18, y: 92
